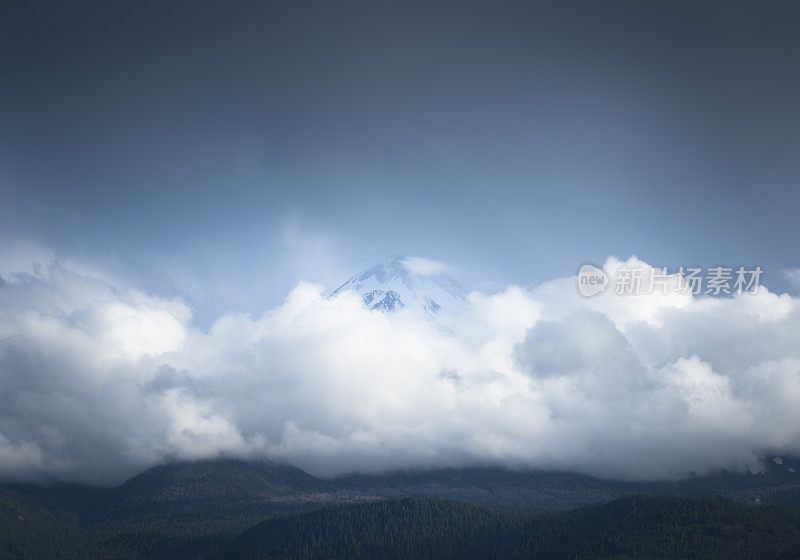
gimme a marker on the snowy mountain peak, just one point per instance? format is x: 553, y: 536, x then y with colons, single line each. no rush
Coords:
x: 405, y: 283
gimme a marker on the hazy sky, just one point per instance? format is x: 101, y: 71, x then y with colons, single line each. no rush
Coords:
x: 224, y: 150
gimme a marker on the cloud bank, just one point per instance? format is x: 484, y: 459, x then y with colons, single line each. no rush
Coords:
x: 99, y: 380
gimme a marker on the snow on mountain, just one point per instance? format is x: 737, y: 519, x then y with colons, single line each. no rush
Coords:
x: 403, y: 283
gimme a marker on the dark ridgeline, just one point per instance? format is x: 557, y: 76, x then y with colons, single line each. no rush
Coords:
x: 228, y: 509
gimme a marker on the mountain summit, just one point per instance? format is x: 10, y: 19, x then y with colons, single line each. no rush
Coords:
x: 405, y: 283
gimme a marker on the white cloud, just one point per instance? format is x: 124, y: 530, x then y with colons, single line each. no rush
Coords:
x: 792, y: 275
x: 425, y: 267
x: 98, y: 381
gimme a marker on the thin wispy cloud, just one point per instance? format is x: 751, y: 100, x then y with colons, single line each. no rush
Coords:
x: 425, y: 267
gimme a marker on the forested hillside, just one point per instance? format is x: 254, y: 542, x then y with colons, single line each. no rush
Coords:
x: 195, y: 510
x: 632, y: 527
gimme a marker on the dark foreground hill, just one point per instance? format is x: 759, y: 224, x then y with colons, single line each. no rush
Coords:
x: 192, y: 510
x: 632, y: 527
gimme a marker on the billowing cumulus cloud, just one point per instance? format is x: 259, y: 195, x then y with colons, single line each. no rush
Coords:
x: 99, y: 380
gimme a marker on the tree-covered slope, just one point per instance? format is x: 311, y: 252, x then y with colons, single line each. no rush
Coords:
x: 192, y: 510
x: 631, y: 527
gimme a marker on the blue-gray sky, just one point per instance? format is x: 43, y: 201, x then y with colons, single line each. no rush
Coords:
x: 166, y: 166
x: 224, y: 150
